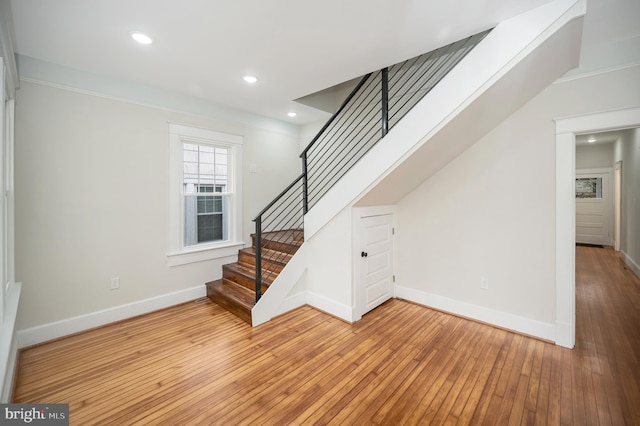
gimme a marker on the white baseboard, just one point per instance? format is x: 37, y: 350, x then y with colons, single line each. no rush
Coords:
x: 54, y: 330
x: 287, y: 305
x: 631, y: 264
x: 490, y: 316
x: 316, y: 301
x: 565, y: 335
x: 291, y: 303
x: 330, y: 306
x: 8, y: 342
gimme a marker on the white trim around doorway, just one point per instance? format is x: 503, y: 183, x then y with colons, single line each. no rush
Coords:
x: 566, y: 130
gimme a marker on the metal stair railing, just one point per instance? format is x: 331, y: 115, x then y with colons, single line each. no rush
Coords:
x: 377, y: 103
x: 282, y: 220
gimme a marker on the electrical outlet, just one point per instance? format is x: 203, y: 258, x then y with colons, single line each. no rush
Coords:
x: 115, y: 283
x: 484, y: 283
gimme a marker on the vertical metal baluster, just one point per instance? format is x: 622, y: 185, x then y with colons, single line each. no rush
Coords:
x: 305, y: 187
x: 364, y: 95
x: 385, y: 101
x: 258, y: 257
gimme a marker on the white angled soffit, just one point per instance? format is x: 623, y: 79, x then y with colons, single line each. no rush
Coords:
x: 516, y: 61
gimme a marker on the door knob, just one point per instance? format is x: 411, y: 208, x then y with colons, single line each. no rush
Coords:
x: 364, y: 254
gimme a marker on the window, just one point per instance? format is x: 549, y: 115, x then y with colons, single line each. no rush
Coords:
x: 588, y: 187
x: 205, y: 172
x: 206, y: 211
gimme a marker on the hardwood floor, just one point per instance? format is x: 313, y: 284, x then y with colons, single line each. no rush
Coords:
x: 197, y: 364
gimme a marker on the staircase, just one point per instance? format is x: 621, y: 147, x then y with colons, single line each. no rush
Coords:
x: 235, y: 291
x: 398, y: 127
x: 377, y: 103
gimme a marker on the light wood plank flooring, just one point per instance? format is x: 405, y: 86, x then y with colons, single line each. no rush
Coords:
x: 403, y: 364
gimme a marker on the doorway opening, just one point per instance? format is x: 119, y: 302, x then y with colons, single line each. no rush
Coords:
x: 566, y: 131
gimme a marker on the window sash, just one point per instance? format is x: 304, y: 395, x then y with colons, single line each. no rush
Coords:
x: 195, y: 220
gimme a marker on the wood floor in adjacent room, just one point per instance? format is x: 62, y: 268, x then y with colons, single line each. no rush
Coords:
x: 402, y: 364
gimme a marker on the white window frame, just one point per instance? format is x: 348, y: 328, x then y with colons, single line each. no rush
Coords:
x: 179, y: 254
x: 4, y: 140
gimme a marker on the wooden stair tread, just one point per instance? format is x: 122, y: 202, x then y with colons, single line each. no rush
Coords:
x: 250, y: 272
x: 271, y: 255
x: 236, y: 290
x: 287, y: 241
x: 232, y: 296
x: 296, y: 235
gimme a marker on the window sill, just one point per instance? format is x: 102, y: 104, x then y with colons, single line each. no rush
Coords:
x: 201, y: 254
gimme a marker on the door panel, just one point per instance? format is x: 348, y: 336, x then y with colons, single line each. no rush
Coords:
x: 377, y: 260
x: 592, y: 222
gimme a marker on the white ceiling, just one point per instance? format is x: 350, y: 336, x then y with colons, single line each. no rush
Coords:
x: 600, y: 138
x: 203, y: 47
x: 295, y: 47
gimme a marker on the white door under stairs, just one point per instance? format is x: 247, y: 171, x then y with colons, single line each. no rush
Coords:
x: 376, y: 261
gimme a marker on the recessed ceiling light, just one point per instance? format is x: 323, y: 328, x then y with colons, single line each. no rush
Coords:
x: 141, y: 38
x: 591, y: 140
x: 292, y: 114
x: 250, y: 79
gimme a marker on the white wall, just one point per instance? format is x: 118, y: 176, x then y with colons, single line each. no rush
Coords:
x: 628, y: 151
x: 329, y: 280
x: 596, y: 156
x: 491, y: 212
x: 308, y: 132
x: 92, y: 180
x: 474, y: 98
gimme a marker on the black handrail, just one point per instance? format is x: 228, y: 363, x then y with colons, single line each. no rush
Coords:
x: 355, y: 129
x: 337, y: 113
x: 275, y: 200
x: 345, y: 138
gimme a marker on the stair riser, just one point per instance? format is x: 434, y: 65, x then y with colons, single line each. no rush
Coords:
x: 285, y: 247
x: 221, y: 299
x: 234, y: 291
x: 252, y: 288
x: 293, y: 234
x: 269, y: 265
x: 237, y: 278
x: 243, y: 280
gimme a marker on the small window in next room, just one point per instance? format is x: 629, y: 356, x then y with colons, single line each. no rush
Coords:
x: 589, y: 187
